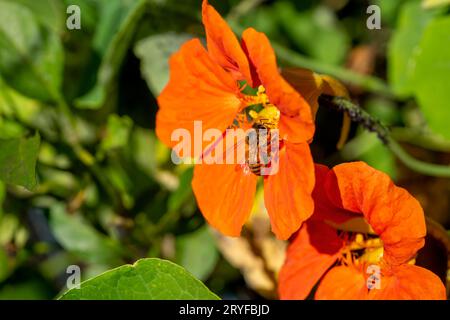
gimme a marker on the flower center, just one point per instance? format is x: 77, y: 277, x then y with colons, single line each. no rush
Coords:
x: 258, y: 111
x: 362, y: 249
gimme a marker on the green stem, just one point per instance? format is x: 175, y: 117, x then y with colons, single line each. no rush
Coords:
x: 356, y: 114
x: 417, y: 165
x: 370, y: 123
x: 366, y: 82
x: 421, y: 139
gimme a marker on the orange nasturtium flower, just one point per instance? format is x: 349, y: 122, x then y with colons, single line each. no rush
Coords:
x: 377, y: 263
x: 208, y: 86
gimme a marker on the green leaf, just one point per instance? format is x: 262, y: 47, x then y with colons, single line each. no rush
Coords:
x: 10, y: 129
x: 2, y: 197
x: 367, y: 147
x: 31, y: 58
x: 120, y: 180
x: 19, y: 107
x: 154, y: 53
x: 183, y: 192
x: 380, y: 157
x: 9, y: 224
x: 142, y: 147
x: 50, y: 13
x: 117, y: 132
x: 316, y: 32
x: 197, y: 252
x: 18, y: 161
x: 124, y: 15
x: 404, y: 46
x: 147, y: 279
x: 389, y: 10
x: 4, y: 265
x: 432, y: 76
x: 263, y: 19
x: 27, y: 290
x: 435, y: 3
x: 77, y: 236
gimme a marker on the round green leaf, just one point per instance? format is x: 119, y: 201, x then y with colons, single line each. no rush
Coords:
x: 147, y: 279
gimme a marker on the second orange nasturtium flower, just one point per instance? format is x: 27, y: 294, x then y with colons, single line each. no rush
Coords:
x: 207, y: 85
x: 376, y: 264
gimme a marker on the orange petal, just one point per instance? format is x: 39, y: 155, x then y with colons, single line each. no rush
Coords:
x: 342, y: 283
x: 308, y: 83
x: 225, y: 192
x: 198, y: 90
x: 295, y: 129
x: 223, y: 45
x: 311, y: 85
x: 313, y: 251
x: 324, y: 209
x: 296, y: 122
x: 394, y: 214
x: 287, y: 194
x: 410, y: 282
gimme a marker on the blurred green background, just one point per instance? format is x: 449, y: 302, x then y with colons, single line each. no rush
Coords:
x: 85, y: 181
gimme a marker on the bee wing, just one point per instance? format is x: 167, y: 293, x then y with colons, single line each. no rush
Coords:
x: 230, y: 148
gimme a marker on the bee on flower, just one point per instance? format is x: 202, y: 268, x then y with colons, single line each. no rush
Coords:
x: 211, y: 85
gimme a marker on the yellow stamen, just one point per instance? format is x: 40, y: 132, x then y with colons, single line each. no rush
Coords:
x: 260, y: 98
x: 269, y: 116
x: 373, y: 250
x: 372, y: 255
x: 359, y: 238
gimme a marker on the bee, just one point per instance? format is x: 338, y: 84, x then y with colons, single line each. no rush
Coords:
x: 263, y: 122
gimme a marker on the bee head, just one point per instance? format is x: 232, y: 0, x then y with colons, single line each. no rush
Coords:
x: 269, y: 116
